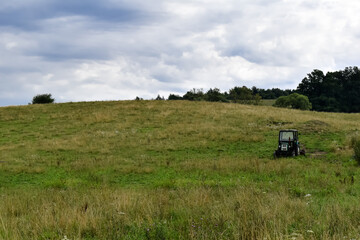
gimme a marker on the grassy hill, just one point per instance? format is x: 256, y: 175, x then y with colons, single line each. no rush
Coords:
x: 175, y: 170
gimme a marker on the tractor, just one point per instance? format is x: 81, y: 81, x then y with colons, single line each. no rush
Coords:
x: 288, y: 144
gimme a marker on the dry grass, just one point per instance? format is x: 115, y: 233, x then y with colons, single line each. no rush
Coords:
x: 195, y: 213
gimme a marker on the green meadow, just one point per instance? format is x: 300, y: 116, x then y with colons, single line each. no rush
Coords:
x: 175, y: 170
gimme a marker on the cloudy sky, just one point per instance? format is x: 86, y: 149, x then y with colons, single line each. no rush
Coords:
x: 83, y: 50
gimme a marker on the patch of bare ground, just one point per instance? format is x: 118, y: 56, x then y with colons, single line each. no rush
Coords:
x: 314, y: 126
x: 317, y: 154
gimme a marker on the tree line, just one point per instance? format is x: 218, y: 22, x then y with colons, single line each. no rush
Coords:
x: 237, y: 94
x: 337, y: 91
x: 334, y: 91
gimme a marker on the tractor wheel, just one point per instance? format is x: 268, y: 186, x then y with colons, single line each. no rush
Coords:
x: 293, y: 153
x: 297, y: 151
x: 302, y: 152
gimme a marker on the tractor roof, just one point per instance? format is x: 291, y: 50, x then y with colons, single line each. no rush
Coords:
x: 288, y: 130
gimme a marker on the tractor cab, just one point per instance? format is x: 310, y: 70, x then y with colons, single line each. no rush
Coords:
x: 288, y: 144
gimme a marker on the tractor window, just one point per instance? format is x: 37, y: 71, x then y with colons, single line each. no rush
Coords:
x: 284, y: 136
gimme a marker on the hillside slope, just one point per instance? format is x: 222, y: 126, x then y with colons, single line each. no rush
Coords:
x: 174, y: 170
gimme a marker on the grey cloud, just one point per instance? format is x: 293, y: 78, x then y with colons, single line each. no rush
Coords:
x: 94, y: 50
x: 64, y: 51
x: 27, y: 16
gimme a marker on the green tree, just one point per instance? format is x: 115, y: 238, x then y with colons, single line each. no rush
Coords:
x: 239, y: 94
x: 174, y: 97
x: 334, y: 92
x: 159, y: 97
x: 194, y: 95
x: 311, y: 85
x: 214, y: 95
x: 43, y: 99
x: 244, y: 95
x: 257, y: 99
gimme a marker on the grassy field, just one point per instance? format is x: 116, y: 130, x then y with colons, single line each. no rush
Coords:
x: 267, y: 102
x: 175, y: 170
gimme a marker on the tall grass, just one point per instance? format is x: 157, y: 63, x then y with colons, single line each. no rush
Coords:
x: 186, y: 213
x: 355, y: 144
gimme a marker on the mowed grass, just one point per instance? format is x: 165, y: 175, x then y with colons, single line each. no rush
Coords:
x: 175, y: 170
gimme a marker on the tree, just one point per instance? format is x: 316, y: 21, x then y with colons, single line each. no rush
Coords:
x: 349, y: 97
x: 240, y: 94
x: 334, y: 92
x: 311, y: 85
x: 295, y: 100
x: 138, y: 98
x: 43, y: 99
x: 273, y: 93
x: 159, y: 98
x: 174, y: 97
x: 214, y: 95
x: 194, y: 95
x: 244, y: 95
x: 257, y: 99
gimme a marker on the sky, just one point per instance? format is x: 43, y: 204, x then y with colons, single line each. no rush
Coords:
x: 94, y: 50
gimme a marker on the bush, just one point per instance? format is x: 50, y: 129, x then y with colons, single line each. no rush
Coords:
x: 282, y: 101
x: 355, y: 144
x: 294, y: 100
x: 43, y: 99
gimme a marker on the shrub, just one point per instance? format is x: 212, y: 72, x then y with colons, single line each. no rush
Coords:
x: 43, y: 99
x: 355, y: 144
x: 282, y: 102
x: 294, y: 100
